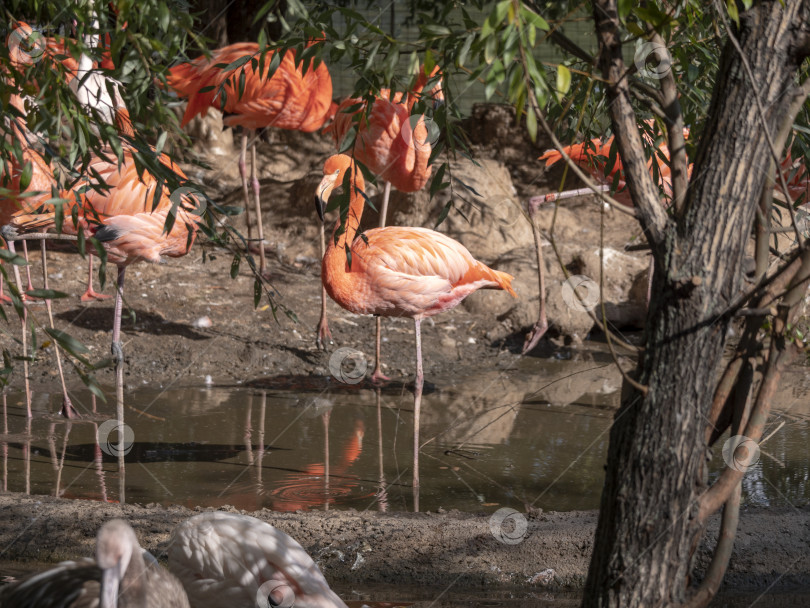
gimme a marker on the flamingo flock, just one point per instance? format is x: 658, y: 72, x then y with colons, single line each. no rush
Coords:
x: 390, y: 271
x: 289, y: 98
x: 216, y: 559
x: 221, y: 559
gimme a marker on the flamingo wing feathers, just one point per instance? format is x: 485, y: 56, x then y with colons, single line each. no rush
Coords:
x: 408, y: 271
x: 289, y: 99
x: 122, y: 215
x: 223, y: 559
x: 391, y: 143
x: 18, y: 201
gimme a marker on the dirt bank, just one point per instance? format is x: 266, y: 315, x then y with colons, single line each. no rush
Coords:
x: 408, y: 550
x: 191, y: 320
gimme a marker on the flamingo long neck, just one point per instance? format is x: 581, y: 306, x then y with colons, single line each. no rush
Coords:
x: 356, y: 204
x: 17, y: 126
x: 85, y: 62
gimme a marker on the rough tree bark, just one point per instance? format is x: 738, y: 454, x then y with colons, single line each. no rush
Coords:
x: 647, y: 523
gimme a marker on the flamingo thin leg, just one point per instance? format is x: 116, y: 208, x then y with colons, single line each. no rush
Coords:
x: 67, y: 410
x: 541, y: 326
x: 91, y: 294
x: 117, y: 350
x: 324, y: 334
x: 255, y: 183
x: 417, y: 405
x: 24, y: 322
x: 327, y: 415
x: 378, y: 376
x: 30, y: 285
x: 245, y: 192
x: 4, y: 299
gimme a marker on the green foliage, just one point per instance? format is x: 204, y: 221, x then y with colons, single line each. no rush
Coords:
x: 501, y: 45
x: 146, y: 36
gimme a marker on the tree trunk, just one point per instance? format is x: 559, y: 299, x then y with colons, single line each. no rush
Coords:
x: 647, y: 531
x: 227, y: 23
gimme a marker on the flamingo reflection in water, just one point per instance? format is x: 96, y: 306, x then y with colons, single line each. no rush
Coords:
x: 319, y: 483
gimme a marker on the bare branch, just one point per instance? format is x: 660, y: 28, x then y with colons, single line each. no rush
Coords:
x: 763, y: 230
x: 627, y: 378
x: 40, y: 236
x: 653, y: 105
x: 798, y: 284
x: 766, y: 282
x: 778, y: 357
x: 677, y: 144
x: 643, y: 191
x: 722, y: 553
x: 715, y: 428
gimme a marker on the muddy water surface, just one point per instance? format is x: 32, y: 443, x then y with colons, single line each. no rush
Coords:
x: 535, y: 436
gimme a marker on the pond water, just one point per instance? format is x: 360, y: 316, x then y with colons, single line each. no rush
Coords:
x: 535, y: 436
x: 531, y: 435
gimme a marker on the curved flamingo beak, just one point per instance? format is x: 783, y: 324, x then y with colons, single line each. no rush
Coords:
x: 320, y: 205
x: 110, y: 581
x: 324, y: 192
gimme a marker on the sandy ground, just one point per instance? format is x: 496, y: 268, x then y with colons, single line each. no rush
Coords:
x: 439, y: 550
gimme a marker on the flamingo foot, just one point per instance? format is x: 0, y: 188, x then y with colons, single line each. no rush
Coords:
x: 324, y: 335
x: 4, y: 299
x: 533, y: 337
x: 378, y: 377
x: 68, y: 411
x: 91, y: 295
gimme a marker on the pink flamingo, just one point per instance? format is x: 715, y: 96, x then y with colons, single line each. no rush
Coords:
x: 396, y: 271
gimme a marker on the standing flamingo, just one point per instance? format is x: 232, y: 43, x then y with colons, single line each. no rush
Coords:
x: 593, y: 157
x: 396, y: 271
x: 393, y: 145
x: 253, y: 98
x: 123, y: 217
x: 119, y: 207
x: 227, y: 559
x: 92, y: 90
x: 25, y: 198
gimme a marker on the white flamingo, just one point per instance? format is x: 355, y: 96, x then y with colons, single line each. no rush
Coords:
x: 238, y: 561
x: 123, y: 576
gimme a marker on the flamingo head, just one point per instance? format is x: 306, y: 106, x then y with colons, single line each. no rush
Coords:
x: 115, y: 546
x: 334, y: 172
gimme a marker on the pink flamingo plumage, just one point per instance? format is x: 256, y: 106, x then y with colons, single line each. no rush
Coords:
x: 288, y: 99
x: 75, y: 71
x: 397, y: 271
x: 395, y: 146
x: 123, y: 216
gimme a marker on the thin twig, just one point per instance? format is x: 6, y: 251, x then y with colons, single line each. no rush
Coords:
x: 636, y: 385
x: 41, y: 236
x: 643, y: 191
